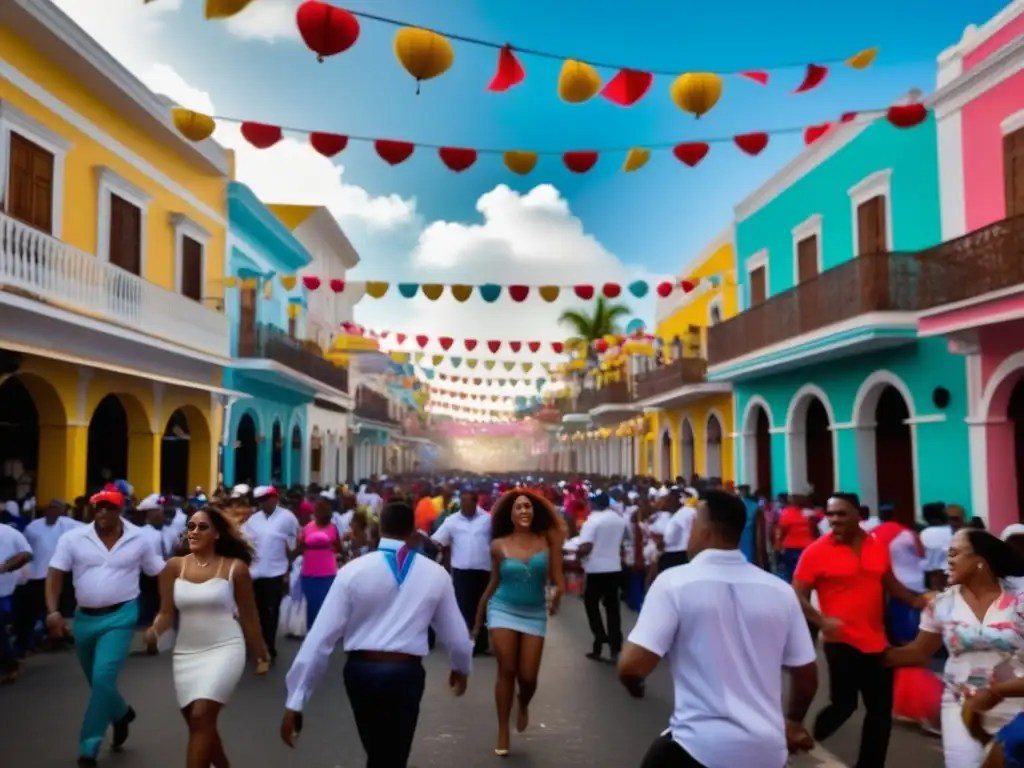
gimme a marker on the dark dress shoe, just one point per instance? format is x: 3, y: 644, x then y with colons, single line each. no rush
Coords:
x: 87, y: 762
x: 121, y: 728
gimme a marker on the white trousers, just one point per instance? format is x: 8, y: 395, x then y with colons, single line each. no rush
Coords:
x: 958, y: 746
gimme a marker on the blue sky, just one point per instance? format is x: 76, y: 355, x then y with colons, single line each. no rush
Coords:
x: 655, y: 219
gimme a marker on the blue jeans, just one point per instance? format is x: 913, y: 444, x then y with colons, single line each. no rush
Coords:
x: 315, y: 589
x: 790, y: 557
x: 102, y: 644
x: 385, y: 698
x: 7, y: 657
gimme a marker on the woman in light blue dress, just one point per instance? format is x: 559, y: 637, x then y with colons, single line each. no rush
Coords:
x: 526, y: 556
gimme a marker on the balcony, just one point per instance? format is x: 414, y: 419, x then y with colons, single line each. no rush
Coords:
x: 37, y: 266
x: 613, y: 393
x: 373, y: 406
x: 682, y: 372
x: 271, y: 343
x: 985, y: 261
x: 880, y: 282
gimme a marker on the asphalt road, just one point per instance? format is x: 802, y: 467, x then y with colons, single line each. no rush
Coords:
x: 580, y: 717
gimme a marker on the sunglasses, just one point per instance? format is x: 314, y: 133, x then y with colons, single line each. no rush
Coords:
x: 193, y: 526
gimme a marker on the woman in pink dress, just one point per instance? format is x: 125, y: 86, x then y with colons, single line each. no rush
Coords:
x: 320, y: 546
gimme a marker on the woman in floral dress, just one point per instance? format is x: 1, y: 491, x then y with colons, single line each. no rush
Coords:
x: 981, y: 623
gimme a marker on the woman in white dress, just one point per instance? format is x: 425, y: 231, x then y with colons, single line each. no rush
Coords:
x: 205, y: 586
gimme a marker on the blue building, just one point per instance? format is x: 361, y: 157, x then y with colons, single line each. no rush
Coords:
x: 266, y: 437
x: 833, y: 388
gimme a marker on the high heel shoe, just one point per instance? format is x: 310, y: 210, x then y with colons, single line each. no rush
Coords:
x: 501, y: 752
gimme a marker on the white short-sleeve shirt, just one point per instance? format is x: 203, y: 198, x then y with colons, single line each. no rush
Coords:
x: 43, y: 538
x: 469, y: 539
x: 12, y: 542
x: 105, y: 577
x: 727, y: 628
x: 605, y: 531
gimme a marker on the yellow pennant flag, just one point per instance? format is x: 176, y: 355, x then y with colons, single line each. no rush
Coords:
x: 288, y: 282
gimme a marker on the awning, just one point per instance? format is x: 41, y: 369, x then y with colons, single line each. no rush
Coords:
x: 26, y: 349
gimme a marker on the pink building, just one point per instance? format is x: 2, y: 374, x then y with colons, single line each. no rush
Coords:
x: 979, y: 269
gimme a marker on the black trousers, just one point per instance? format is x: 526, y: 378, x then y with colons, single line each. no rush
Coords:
x: 852, y: 672
x: 29, y: 608
x: 269, y: 593
x: 603, y: 589
x: 671, y: 559
x: 470, y: 586
x: 666, y: 753
x: 149, y: 599
x: 385, y: 698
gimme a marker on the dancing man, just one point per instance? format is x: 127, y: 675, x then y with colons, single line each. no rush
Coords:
x: 105, y: 560
x: 380, y: 606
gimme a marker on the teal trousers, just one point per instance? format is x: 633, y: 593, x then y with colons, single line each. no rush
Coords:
x: 102, y: 644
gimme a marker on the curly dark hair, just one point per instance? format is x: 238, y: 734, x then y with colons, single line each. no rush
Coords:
x: 1002, y: 559
x: 544, y: 515
x: 230, y: 544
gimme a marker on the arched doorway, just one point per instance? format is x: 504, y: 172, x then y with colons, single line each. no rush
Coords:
x: 763, y: 441
x: 757, y: 446
x: 245, y: 450
x: 713, y: 447
x: 810, y: 445
x: 295, y: 456
x: 1015, y: 414
x: 33, y: 434
x: 174, y: 455
x: 19, y: 438
x: 107, y: 453
x: 689, y: 463
x: 894, y: 455
x: 276, y: 454
x: 666, y: 457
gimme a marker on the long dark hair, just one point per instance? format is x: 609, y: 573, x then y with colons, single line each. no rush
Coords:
x: 544, y: 517
x: 1002, y: 559
x: 230, y: 544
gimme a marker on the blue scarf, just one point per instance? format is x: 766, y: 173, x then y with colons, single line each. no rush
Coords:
x: 399, y: 558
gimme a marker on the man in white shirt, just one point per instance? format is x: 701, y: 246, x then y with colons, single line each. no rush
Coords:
x: 15, y: 553
x: 728, y: 628
x: 42, y: 534
x: 380, y: 606
x: 600, y: 552
x: 161, y: 538
x: 466, y: 539
x: 676, y: 535
x: 105, y: 560
x: 273, y: 532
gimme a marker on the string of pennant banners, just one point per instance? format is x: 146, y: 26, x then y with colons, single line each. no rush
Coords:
x: 435, y: 361
x: 425, y: 54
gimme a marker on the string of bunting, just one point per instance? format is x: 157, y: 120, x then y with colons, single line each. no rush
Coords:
x: 196, y: 127
x: 489, y: 292
x: 471, y: 396
x: 446, y: 408
x: 483, y: 380
x: 425, y: 54
x: 435, y: 361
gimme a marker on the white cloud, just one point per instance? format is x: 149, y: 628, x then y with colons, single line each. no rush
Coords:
x: 291, y: 171
x: 528, y: 239
x: 266, y: 20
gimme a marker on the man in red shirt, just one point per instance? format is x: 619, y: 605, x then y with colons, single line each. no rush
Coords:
x: 851, y: 573
x: 794, y: 532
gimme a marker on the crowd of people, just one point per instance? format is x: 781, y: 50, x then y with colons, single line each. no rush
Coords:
x: 733, y: 588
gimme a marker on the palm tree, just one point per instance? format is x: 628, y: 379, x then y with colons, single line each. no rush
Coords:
x: 589, y: 327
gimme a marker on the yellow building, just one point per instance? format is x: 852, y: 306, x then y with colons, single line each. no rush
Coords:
x: 112, y: 246
x: 689, y: 421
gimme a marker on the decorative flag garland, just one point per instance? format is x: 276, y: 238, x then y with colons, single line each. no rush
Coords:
x: 485, y: 380
x: 489, y: 292
x: 475, y: 396
x: 435, y: 361
x: 452, y: 409
x: 197, y: 127
x: 425, y: 54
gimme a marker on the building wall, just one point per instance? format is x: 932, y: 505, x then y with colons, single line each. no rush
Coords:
x: 695, y: 308
x: 698, y: 413
x: 824, y: 191
x: 983, y: 118
x: 174, y: 184
x: 942, y: 455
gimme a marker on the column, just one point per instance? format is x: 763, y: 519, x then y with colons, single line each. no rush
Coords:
x: 144, y: 448
x: 307, y: 442
x: 63, y: 456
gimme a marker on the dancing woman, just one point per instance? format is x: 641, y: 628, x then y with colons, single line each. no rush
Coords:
x: 205, y: 586
x: 526, y: 555
x: 320, y: 544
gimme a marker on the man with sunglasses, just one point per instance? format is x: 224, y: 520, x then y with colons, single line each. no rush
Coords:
x: 105, y: 560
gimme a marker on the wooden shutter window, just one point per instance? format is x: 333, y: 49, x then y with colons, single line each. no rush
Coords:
x: 871, y: 226
x: 807, y: 259
x: 758, y: 286
x: 125, y: 235
x: 30, y: 184
x: 191, y: 268
x: 291, y: 327
x: 1013, y: 172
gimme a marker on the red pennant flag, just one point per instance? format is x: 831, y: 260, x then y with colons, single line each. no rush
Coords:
x: 422, y: 341
x: 665, y: 289
x: 328, y: 144
x: 848, y: 117
x: 759, y: 77
x: 814, y: 132
x: 518, y: 292
x: 469, y: 344
x: 687, y: 285
x: 534, y: 346
x: 813, y: 77
x: 312, y: 282
x: 337, y: 285
x: 457, y: 159
x: 907, y: 115
x: 611, y: 290
x: 400, y: 338
x: 393, y: 152
x: 446, y: 342
x: 510, y: 71
x: 515, y: 345
x: 627, y: 87
x: 580, y: 161
x: 691, y: 152
x: 494, y: 346
x: 557, y: 347
x: 585, y: 292
x: 261, y: 135
x: 752, y: 143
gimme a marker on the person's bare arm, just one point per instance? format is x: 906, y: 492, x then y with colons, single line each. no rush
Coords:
x: 492, y: 587
x: 248, y: 617
x: 165, y: 618
x: 917, y: 653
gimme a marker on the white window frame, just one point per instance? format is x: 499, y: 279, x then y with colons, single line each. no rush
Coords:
x: 109, y: 183
x: 719, y: 302
x: 809, y: 227
x: 1012, y: 123
x: 751, y: 265
x: 13, y: 120
x: 877, y: 184
x: 184, y: 227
